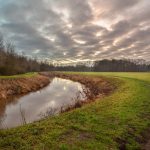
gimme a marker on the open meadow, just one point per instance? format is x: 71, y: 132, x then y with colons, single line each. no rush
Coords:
x: 120, y: 120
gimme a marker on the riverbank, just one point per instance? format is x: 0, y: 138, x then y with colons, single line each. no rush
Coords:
x: 21, y: 84
x: 117, y: 121
x: 18, y: 85
x: 98, y: 87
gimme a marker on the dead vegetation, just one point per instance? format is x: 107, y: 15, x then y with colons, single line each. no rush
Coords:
x: 95, y: 88
x: 19, y: 86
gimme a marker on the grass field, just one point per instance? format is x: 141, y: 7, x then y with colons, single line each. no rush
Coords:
x: 19, y: 76
x: 114, y: 122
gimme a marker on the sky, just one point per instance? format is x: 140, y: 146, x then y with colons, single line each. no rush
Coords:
x: 70, y: 31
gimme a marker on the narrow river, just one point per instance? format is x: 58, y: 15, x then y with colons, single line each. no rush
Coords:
x: 59, y: 94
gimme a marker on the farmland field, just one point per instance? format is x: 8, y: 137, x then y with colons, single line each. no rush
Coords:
x: 19, y: 76
x: 118, y: 121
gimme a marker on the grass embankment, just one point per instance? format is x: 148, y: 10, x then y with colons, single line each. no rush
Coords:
x: 26, y: 75
x: 114, y: 122
x: 20, y: 84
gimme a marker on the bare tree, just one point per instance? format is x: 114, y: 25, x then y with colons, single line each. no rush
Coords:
x: 12, y: 63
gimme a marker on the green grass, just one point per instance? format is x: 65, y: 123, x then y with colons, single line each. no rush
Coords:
x: 122, y: 117
x: 26, y: 75
x: 145, y: 76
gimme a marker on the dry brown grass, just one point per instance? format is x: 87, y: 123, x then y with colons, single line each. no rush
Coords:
x: 18, y: 86
x: 96, y: 87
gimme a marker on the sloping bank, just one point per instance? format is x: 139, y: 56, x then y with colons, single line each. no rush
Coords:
x: 98, y: 87
x: 115, y: 122
x: 23, y: 84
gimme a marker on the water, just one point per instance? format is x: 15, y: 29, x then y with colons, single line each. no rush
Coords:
x: 59, y: 94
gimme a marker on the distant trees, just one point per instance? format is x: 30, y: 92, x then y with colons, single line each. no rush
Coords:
x: 77, y: 68
x: 12, y: 63
x: 120, y: 66
x: 107, y: 65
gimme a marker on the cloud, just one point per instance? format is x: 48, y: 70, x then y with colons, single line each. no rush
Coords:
x: 77, y: 30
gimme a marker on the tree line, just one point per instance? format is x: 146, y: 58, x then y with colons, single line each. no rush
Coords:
x: 121, y: 66
x: 12, y: 63
x: 106, y: 65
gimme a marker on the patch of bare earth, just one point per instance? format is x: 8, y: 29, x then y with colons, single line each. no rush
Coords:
x: 147, y: 146
x: 72, y: 136
x: 146, y: 140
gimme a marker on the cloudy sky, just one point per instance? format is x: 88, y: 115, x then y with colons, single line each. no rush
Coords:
x: 70, y: 31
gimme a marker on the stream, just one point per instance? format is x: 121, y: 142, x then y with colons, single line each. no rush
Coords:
x: 49, y: 101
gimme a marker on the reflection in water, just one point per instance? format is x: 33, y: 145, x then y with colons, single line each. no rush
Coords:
x: 59, y: 93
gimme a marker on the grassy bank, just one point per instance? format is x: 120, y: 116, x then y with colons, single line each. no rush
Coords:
x: 16, y: 85
x: 27, y: 75
x: 116, y: 121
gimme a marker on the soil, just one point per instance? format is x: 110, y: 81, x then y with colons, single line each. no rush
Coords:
x: 146, y: 140
x: 147, y: 146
